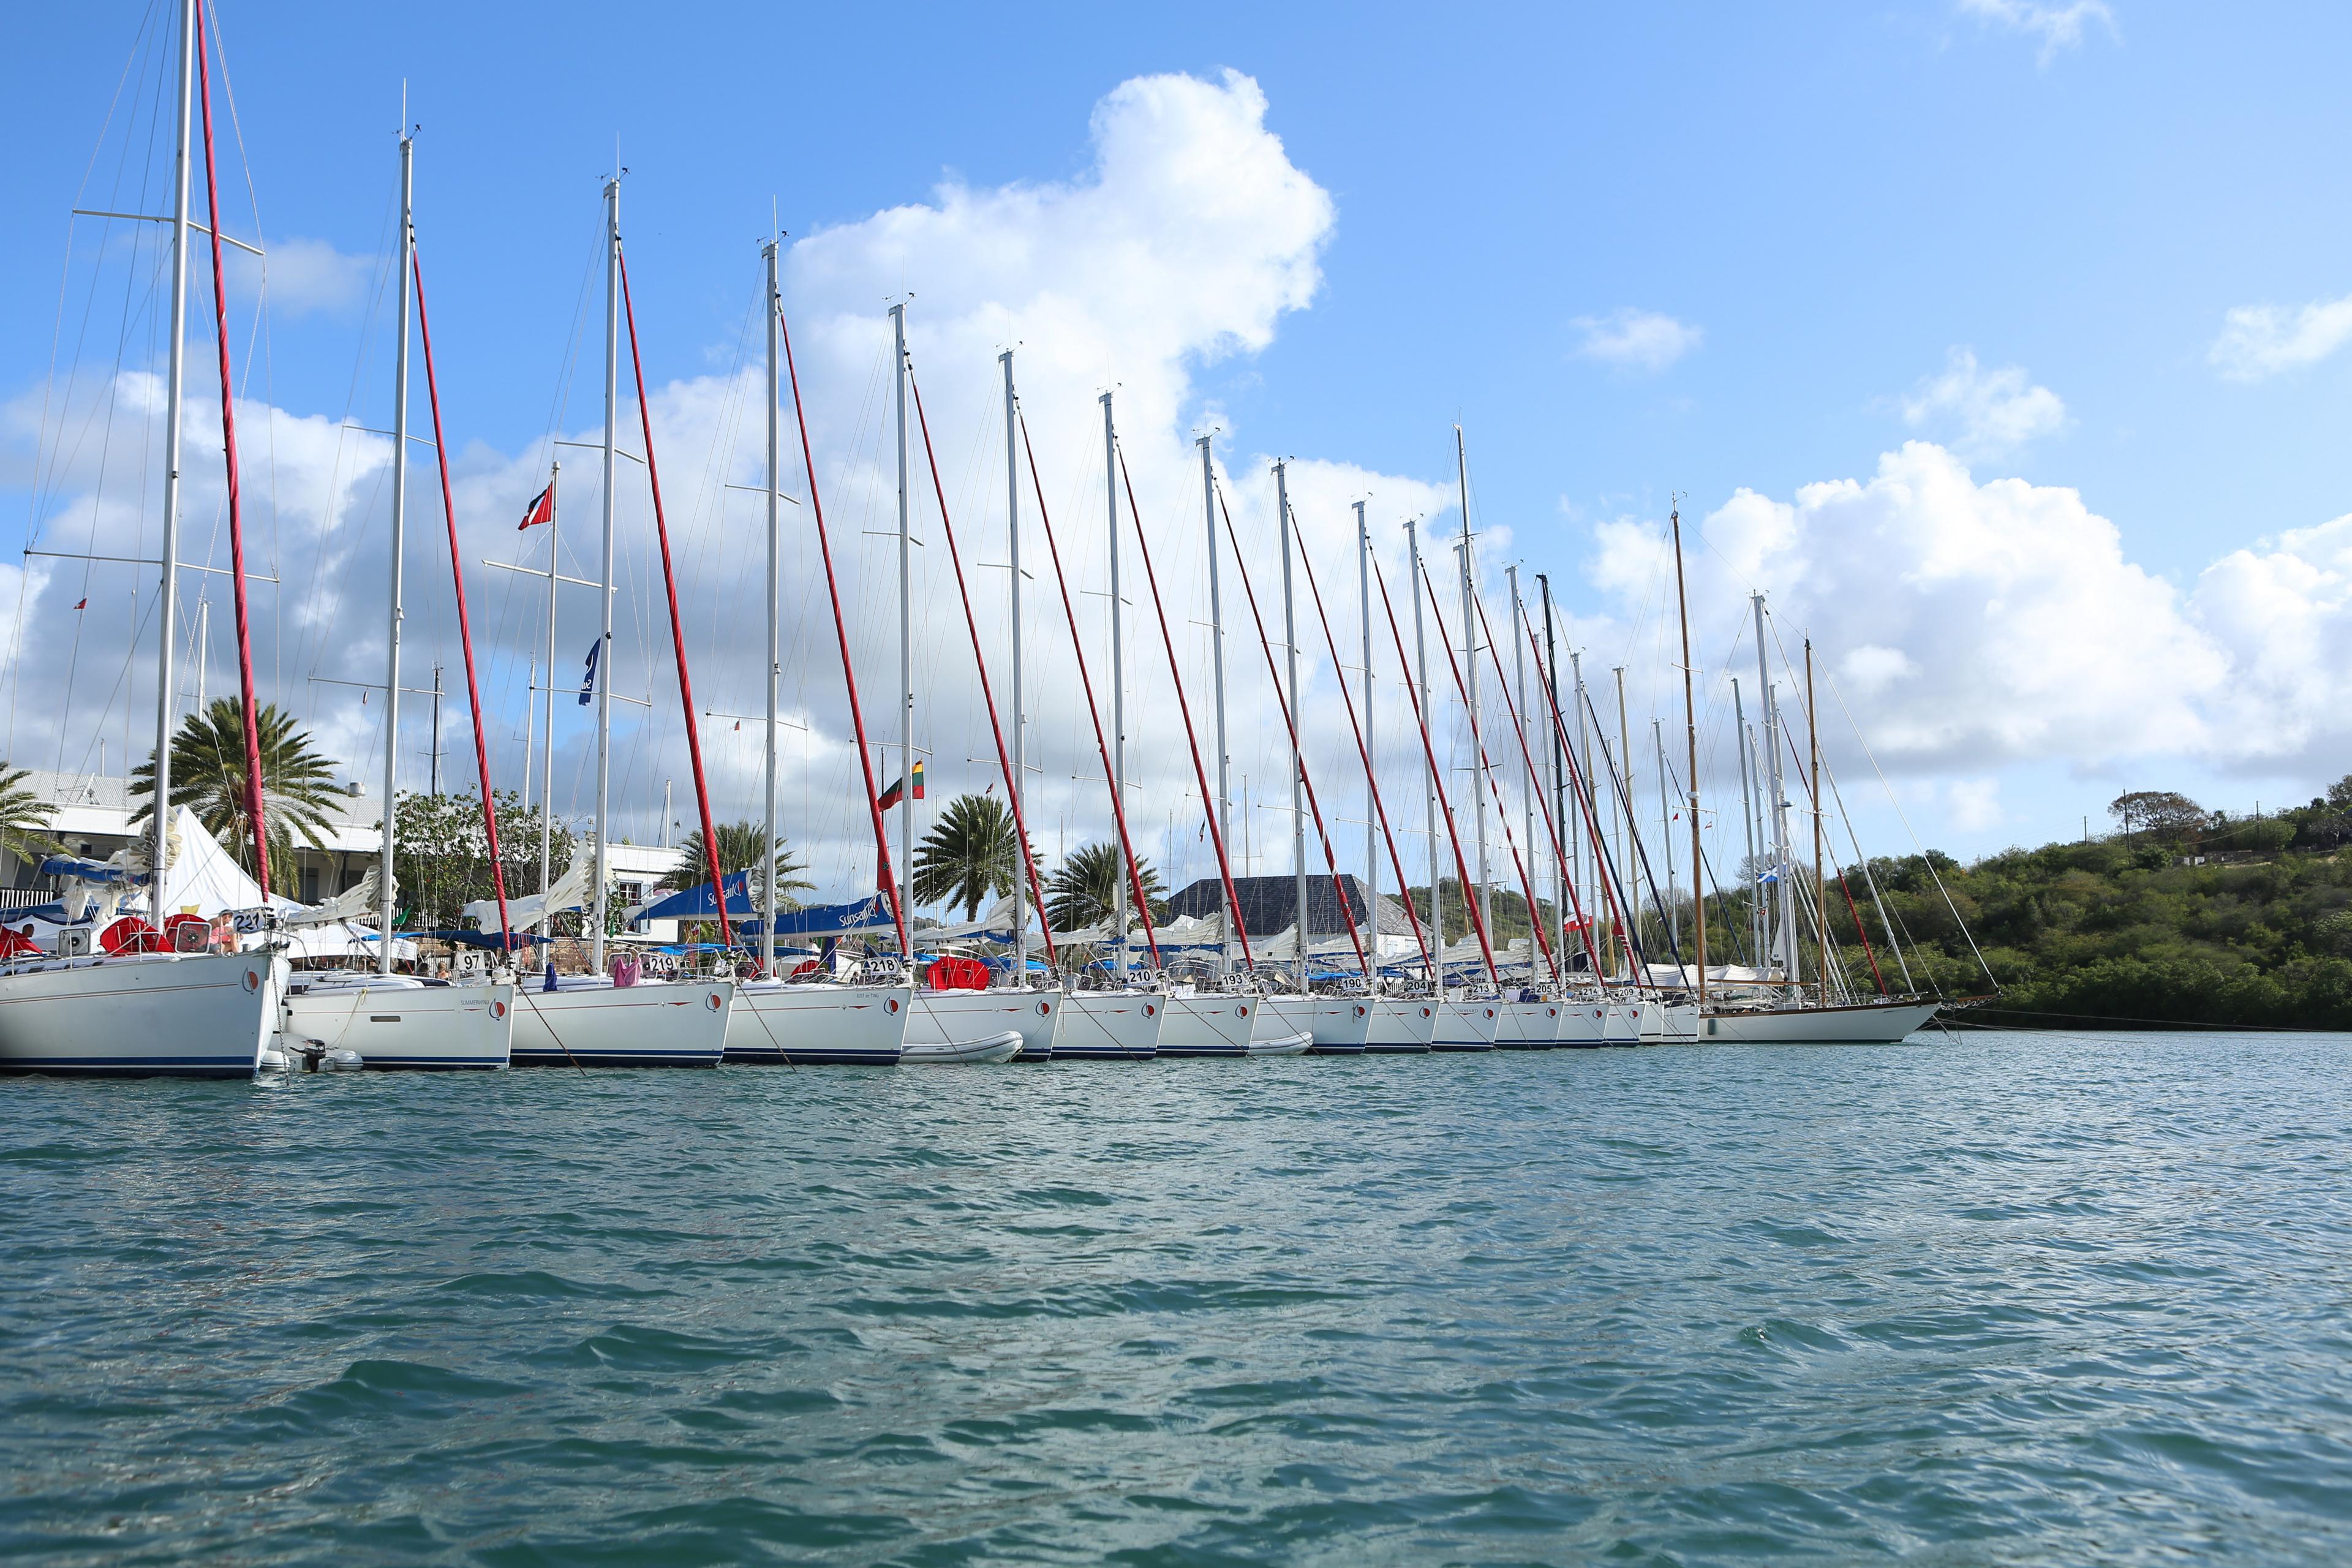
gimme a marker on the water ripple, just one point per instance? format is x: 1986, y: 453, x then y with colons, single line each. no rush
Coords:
x: 2003, y: 1299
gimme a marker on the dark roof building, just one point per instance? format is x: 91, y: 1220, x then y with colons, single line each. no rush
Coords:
x: 1268, y: 904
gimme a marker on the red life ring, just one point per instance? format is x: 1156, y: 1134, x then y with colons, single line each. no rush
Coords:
x: 712, y: 1002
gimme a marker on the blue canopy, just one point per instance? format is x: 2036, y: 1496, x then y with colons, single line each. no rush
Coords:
x: 484, y: 939
x: 699, y: 903
x: 83, y: 870
x: 871, y: 913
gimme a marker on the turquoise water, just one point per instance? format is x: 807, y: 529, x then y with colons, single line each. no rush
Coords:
x: 2007, y: 1300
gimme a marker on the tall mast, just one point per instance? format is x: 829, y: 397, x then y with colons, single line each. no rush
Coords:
x: 1747, y: 822
x: 1020, y: 778
x: 1820, y: 890
x: 1429, y: 766
x: 1470, y: 699
x: 1628, y: 862
x: 1297, y: 763
x: 1584, y: 762
x: 1117, y: 670
x: 386, y: 893
x: 547, y: 776
x: 1775, y: 797
x: 1372, y: 789
x: 166, y: 703
x: 1225, y: 807
x: 254, y: 807
x: 906, y: 643
x: 775, y: 565
x: 604, y: 644
x: 1666, y: 833
x: 1690, y: 724
x: 1547, y: 677
x: 1527, y: 786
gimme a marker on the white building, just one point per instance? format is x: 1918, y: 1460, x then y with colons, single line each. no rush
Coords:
x: 90, y: 815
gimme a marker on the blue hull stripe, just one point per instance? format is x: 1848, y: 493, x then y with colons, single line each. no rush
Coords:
x: 763, y: 1057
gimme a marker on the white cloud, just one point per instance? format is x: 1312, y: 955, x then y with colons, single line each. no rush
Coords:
x: 305, y: 276
x: 1636, y: 339
x: 1985, y: 413
x: 2285, y: 607
x: 1973, y: 625
x: 2260, y: 341
x: 1975, y: 804
x: 2058, y: 26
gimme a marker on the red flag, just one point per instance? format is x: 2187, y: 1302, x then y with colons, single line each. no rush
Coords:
x: 83, y: 606
x: 541, y: 508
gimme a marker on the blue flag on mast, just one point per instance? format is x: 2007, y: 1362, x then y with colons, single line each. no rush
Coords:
x: 588, y: 687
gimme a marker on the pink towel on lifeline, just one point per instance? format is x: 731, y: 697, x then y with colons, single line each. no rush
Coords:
x: 625, y: 969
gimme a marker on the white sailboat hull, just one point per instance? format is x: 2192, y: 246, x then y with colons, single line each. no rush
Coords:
x: 1339, y: 1025
x: 1528, y: 1026
x: 1111, y: 1026
x: 654, y: 1023
x: 398, y: 1023
x: 1208, y: 1023
x: 1669, y: 1023
x: 1875, y: 1023
x: 1401, y: 1026
x: 1466, y: 1025
x: 951, y: 1017
x: 158, y: 1015
x: 1624, y: 1025
x: 1583, y: 1023
x: 818, y: 1025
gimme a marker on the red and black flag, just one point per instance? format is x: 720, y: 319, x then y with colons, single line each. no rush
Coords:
x: 541, y: 508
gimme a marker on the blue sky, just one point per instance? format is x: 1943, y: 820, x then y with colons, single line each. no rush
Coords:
x: 1635, y: 251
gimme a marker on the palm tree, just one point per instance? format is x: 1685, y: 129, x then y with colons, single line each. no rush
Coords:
x: 22, y: 812
x: 970, y: 855
x: 1085, y: 887
x: 208, y: 777
x: 739, y: 850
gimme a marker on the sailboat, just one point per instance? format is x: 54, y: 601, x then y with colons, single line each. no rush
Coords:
x: 1784, y: 1009
x: 1120, y: 1020
x: 592, y: 1019
x: 1225, y: 1014
x: 951, y: 1025
x: 143, y: 1010
x: 395, y: 1020
x: 822, y: 1018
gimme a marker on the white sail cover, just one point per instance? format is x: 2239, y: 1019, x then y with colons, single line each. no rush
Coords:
x: 356, y: 899
x: 528, y: 914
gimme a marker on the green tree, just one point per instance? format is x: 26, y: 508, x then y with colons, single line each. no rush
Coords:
x: 2160, y: 814
x: 441, y: 853
x: 971, y: 855
x: 740, y: 846
x: 208, y: 776
x: 1084, y: 889
x: 22, y: 812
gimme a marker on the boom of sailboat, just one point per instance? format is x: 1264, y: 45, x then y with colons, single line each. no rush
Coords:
x: 128, y: 990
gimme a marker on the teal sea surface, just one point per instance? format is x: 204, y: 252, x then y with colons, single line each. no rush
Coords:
x: 1997, y: 1299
